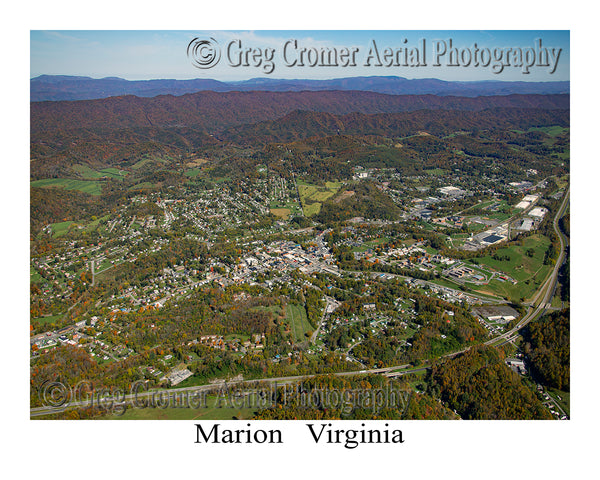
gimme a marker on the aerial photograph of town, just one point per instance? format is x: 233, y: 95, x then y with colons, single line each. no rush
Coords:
x: 246, y: 241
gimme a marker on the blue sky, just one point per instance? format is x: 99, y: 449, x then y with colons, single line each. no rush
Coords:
x: 141, y: 55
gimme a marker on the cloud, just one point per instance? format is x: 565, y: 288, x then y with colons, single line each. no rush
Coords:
x: 61, y: 36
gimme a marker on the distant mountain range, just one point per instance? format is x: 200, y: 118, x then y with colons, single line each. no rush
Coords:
x: 62, y: 87
x: 212, y: 112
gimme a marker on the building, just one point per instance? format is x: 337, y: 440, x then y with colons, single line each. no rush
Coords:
x: 516, y: 365
x: 521, y: 185
x: 526, y: 225
x: 531, y: 198
x: 538, y: 213
x: 493, y: 238
x: 497, y: 313
x: 178, y: 376
x: 451, y: 191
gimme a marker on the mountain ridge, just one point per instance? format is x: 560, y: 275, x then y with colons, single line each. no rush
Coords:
x: 68, y: 87
x: 215, y: 111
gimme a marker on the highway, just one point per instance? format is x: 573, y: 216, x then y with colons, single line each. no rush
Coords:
x: 176, y: 392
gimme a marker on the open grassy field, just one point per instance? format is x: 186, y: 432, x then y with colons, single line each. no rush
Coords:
x: 34, y: 276
x: 520, y: 266
x: 192, y: 172
x: 217, y: 408
x: 93, y: 225
x: 113, y: 173
x: 313, y: 196
x: 61, y: 228
x: 529, y: 272
x: 49, y: 319
x: 553, y: 131
x: 87, y: 172
x: 312, y: 209
x: 147, y: 161
x: 563, y: 181
x: 296, y: 319
x: 87, y: 186
x: 281, y: 212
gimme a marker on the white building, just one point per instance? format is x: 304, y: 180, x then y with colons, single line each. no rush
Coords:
x: 538, y: 213
x: 450, y: 190
x: 527, y: 225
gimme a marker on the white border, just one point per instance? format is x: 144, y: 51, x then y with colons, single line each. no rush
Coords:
x: 432, y: 449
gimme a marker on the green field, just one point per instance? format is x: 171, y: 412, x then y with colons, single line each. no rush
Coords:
x: 499, y: 216
x: 217, y: 408
x: 312, y: 209
x: 145, y: 161
x: 529, y: 272
x: 93, y: 225
x: 192, y: 172
x: 296, y: 319
x: 113, y: 173
x: 86, y: 186
x: 458, y: 239
x: 48, y: 319
x: 562, y: 182
x: 553, y: 131
x: 86, y: 172
x: 313, y: 196
x: 34, y: 276
x: 89, y: 173
x: 61, y: 228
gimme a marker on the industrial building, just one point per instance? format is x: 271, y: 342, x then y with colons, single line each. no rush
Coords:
x: 538, y: 213
x: 526, y: 225
x: 499, y: 313
x: 451, y: 191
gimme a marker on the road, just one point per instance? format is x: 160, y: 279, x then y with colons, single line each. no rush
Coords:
x: 482, y: 298
x: 330, y: 302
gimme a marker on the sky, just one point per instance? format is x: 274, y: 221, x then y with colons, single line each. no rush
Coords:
x: 147, y: 54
